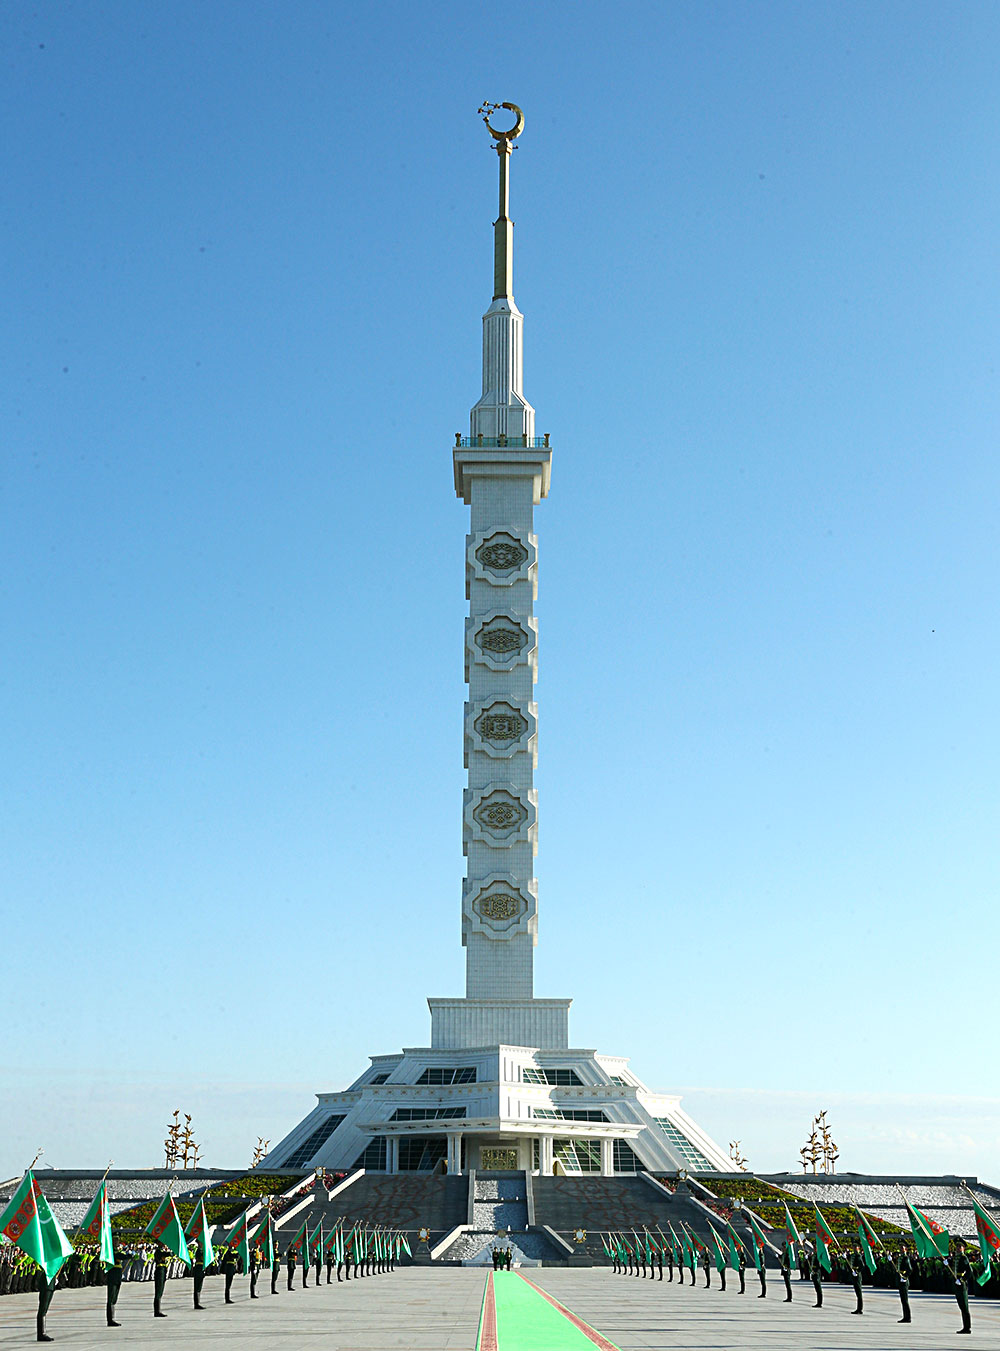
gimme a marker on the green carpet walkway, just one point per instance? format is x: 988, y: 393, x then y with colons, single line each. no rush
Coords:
x: 518, y: 1315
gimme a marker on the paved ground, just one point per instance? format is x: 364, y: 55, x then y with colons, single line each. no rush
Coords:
x: 419, y: 1309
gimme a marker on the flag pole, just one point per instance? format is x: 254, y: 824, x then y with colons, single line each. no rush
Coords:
x: 34, y: 1160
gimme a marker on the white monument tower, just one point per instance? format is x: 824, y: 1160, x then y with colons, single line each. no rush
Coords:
x: 499, y: 1086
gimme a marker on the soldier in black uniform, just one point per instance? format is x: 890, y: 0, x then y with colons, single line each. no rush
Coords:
x: 161, y: 1262
x: 742, y: 1270
x: 275, y: 1267
x: 854, y: 1267
x: 903, y: 1286
x: 318, y: 1261
x: 786, y: 1274
x: 114, y: 1284
x: 670, y: 1261
x: 305, y: 1262
x: 45, y: 1288
x: 197, y: 1250
x: 229, y: 1271
x: 290, y: 1264
x: 659, y: 1261
x: 722, y: 1274
x: 817, y: 1280
x: 707, y: 1268
x: 961, y: 1272
x: 256, y: 1257
x: 762, y: 1275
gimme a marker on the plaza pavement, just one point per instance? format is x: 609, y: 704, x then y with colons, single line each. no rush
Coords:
x: 426, y: 1309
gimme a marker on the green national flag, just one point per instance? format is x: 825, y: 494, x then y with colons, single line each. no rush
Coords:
x: 718, y: 1251
x: 824, y: 1238
x: 316, y: 1237
x: 165, y: 1227
x: 263, y: 1235
x: 96, y: 1225
x: 28, y: 1221
x: 678, y: 1247
x: 988, y: 1234
x: 298, y: 1243
x: 198, y: 1229
x: 869, y: 1240
x: 734, y: 1246
x: 759, y: 1242
x: 930, y: 1237
x: 239, y: 1238
x: 790, y: 1229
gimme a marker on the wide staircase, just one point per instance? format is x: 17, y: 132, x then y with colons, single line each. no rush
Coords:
x: 601, y: 1205
x: 407, y: 1201
x: 500, y: 1219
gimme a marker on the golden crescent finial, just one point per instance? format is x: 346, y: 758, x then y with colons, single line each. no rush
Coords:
x: 488, y: 109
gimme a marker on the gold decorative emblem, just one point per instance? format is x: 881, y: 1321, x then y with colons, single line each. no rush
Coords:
x: 580, y: 1235
x: 498, y: 727
x: 500, y: 905
x: 501, y: 554
x: 500, y: 813
x: 501, y: 640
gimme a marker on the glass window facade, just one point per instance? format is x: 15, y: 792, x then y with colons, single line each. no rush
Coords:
x: 626, y: 1159
x: 692, y: 1157
x: 373, y: 1157
x: 449, y: 1074
x: 622, y: 1083
x: 563, y: 1078
x: 420, y: 1153
x: 302, y: 1153
x: 428, y: 1113
x: 578, y: 1156
x: 379, y: 1078
x: 568, y: 1114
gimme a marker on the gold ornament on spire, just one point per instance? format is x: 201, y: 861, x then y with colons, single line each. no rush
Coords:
x: 503, y: 226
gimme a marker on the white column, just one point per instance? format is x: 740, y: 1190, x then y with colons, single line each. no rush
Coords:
x: 607, y: 1157
x: 454, y: 1152
x: 546, y: 1156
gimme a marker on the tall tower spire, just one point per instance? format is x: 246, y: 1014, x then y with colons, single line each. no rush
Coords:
x: 502, y: 472
x: 503, y: 226
x: 503, y: 409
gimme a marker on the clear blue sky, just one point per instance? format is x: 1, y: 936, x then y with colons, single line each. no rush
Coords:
x: 246, y: 253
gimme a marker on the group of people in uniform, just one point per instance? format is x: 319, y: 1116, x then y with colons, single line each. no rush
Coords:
x: 648, y: 1255
x: 230, y: 1265
x: 502, y: 1259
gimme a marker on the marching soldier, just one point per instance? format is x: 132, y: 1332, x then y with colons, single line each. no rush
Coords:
x: 762, y: 1275
x: 742, y: 1270
x: 329, y: 1263
x: 114, y: 1284
x: 854, y: 1267
x: 707, y: 1267
x: 960, y: 1275
x: 197, y: 1250
x: 290, y: 1264
x: 903, y: 1286
x: 817, y: 1280
x: 229, y: 1271
x: 786, y: 1274
x: 256, y: 1257
x: 45, y: 1289
x: 161, y: 1261
x: 275, y: 1266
